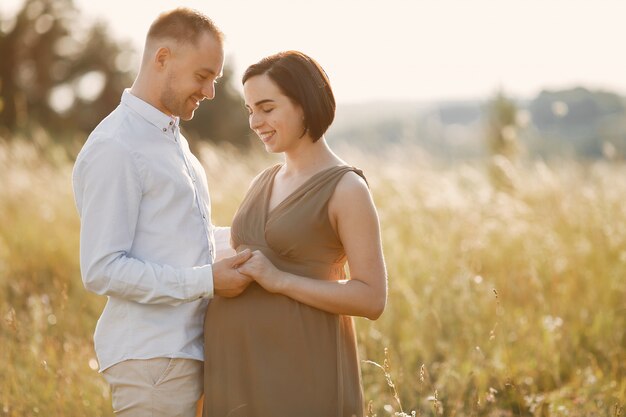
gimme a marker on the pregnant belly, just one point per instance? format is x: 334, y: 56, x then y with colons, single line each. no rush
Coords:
x: 257, y: 315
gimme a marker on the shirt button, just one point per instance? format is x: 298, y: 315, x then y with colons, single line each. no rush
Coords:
x: 171, y: 123
x: 165, y: 129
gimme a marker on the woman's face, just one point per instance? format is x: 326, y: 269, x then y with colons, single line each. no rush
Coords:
x: 276, y: 120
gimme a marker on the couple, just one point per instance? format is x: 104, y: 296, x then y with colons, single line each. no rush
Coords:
x: 277, y: 337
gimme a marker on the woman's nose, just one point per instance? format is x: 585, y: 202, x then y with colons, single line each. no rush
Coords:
x: 255, y: 121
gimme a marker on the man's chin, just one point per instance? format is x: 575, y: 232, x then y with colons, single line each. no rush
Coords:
x: 187, y: 116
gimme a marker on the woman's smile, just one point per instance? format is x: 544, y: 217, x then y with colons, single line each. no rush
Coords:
x: 266, y: 136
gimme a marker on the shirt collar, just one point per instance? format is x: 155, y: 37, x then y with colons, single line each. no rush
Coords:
x: 149, y: 112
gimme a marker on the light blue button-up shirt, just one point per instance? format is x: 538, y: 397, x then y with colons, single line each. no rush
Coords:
x: 146, y: 239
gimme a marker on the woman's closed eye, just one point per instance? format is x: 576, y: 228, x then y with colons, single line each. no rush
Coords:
x: 266, y: 111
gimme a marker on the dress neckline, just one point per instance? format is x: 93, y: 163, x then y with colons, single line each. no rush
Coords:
x: 290, y: 196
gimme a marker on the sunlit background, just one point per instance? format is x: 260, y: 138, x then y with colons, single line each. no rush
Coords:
x: 493, y: 137
x: 411, y: 49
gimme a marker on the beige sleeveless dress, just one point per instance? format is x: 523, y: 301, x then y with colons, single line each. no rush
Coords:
x: 267, y: 355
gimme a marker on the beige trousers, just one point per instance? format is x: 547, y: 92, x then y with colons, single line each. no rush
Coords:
x: 159, y: 387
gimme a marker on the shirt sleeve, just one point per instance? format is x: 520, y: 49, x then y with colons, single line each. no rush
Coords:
x: 222, y: 243
x: 107, y: 189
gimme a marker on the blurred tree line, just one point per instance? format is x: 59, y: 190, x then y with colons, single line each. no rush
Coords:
x: 62, y: 73
x: 577, y: 122
x: 590, y: 124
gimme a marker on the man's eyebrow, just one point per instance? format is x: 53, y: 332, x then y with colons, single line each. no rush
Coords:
x: 210, y: 71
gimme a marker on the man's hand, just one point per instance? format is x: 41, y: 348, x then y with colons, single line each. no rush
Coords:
x: 227, y: 281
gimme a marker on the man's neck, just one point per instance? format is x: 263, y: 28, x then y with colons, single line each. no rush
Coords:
x: 147, y: 92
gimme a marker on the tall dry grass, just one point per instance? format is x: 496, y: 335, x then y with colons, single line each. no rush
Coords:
x: 502, y: 302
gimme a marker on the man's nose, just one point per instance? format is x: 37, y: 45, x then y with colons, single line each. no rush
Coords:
x: 208, y: 91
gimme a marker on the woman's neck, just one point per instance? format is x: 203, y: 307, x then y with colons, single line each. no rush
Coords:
x: 309, y: 158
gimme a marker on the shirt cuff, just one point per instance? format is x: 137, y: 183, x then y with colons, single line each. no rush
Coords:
x: 199, y: 282
x: 222, y: 243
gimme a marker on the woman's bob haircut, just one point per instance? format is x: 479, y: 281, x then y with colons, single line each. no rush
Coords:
x: 303, y: 80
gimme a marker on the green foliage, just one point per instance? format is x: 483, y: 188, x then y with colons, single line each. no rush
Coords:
x: 573, y: 123
x: 60, y: 73
x: 502, y: 127
x: 56, y: 71
x: 577, y: 121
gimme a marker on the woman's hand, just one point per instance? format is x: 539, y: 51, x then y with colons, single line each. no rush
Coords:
x: 259, y: 268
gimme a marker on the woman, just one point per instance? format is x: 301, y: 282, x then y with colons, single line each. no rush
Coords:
x: 286, y: 346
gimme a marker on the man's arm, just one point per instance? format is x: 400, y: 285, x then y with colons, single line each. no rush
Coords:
x: 107, y: 188
x: 222, y: 243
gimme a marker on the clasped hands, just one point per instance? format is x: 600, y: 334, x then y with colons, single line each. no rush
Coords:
x: 231, y: 276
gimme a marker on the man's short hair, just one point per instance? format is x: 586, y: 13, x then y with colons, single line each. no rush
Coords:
x: 183, y: 25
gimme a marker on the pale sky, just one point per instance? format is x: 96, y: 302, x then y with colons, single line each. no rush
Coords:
x: 418, y: 50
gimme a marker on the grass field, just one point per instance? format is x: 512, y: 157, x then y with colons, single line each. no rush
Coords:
x: 505, y: 300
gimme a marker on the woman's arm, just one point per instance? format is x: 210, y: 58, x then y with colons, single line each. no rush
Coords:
x: 354, y: 217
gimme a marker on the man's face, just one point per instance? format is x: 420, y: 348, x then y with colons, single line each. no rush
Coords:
x: 191, y: 75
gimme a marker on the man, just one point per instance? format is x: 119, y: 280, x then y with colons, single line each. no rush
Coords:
x: 146, y: 236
